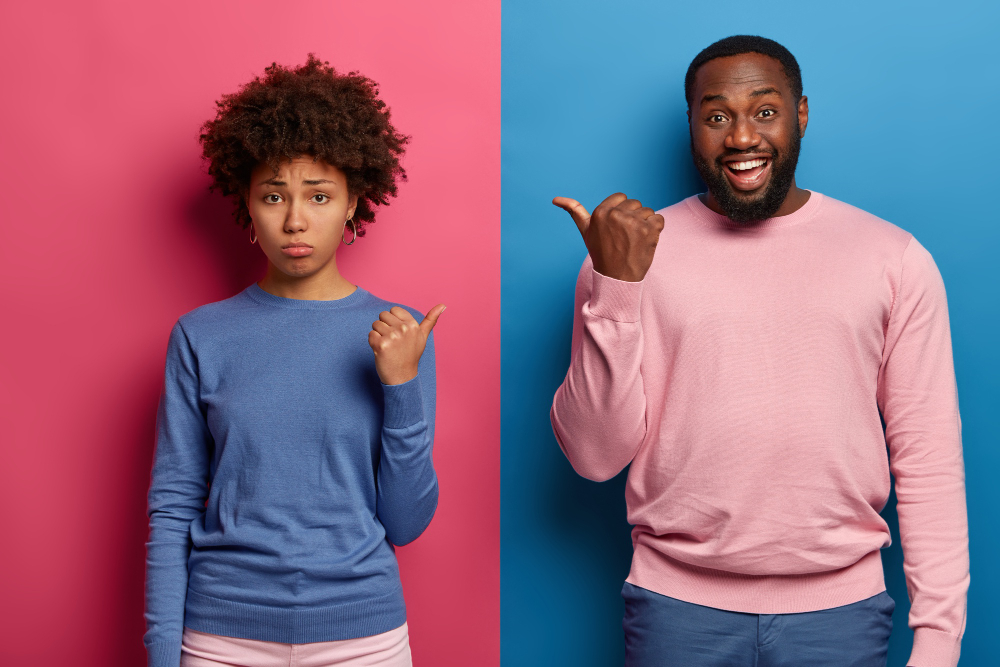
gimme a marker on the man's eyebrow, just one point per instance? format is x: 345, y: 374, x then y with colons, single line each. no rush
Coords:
x: 757, y: 93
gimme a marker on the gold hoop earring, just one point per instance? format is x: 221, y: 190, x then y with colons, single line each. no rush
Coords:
x: 253, y: 234
x: 354, y: 231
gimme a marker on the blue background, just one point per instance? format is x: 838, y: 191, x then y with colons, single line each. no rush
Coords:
x: 904, y: 102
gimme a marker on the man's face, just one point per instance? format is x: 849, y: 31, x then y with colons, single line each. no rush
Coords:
x: 745, y: 132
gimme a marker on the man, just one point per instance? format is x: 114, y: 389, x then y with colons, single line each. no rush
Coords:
x: 738, y: 350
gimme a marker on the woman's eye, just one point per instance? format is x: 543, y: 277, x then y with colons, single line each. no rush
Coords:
x: 321, y: 199
x: 272, y: 198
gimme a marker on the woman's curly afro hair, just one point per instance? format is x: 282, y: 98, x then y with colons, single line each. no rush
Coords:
x: 310, y: 110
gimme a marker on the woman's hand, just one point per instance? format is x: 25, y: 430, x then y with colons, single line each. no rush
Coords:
x: 398, y: 340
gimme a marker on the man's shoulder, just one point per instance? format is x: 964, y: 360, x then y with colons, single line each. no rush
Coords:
x: 679, y: 209
x: 861, y: 223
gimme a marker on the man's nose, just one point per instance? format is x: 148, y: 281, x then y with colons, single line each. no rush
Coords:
x: 743, y: 135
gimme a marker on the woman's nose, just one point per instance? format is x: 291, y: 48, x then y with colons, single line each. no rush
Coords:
x: 295, y: 220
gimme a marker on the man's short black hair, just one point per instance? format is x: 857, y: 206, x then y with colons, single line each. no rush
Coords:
x: 739, y: 44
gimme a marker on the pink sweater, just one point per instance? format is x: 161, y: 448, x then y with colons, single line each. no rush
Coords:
x: 743, y: 379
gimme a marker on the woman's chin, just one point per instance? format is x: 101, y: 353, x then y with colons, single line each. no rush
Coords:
x: 296, y: 269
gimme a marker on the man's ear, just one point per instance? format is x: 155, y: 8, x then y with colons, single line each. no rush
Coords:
x: 803, y: 114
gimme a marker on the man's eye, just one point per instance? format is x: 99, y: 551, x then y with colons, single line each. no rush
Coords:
x: 716, y: 118
x: 766, y: 113
x: 272, y: 198
x: 321, y: 199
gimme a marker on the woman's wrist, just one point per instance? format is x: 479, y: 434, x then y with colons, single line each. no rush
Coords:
x: 395, y: 376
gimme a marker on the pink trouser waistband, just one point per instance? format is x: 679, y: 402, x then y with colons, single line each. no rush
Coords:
x: 389, y: 649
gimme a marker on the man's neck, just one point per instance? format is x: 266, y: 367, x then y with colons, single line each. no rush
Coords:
x: 794, y: 200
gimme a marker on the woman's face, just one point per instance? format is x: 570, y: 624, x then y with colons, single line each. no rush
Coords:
x: 299, y: 214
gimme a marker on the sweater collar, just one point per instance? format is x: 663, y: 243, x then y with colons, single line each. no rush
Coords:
x: 255, y: 292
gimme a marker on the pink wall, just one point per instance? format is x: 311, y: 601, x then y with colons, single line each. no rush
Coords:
x: 110, y: 235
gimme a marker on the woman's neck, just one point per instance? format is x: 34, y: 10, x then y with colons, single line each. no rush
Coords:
x: 325, y: 285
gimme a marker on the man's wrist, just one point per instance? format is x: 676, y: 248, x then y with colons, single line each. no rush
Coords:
x: 614, y: 299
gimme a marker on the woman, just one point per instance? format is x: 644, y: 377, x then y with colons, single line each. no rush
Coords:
x: 293, y: 433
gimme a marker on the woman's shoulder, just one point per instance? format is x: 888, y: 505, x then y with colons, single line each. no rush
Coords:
x: 217, y: 312
x: 378, y: 305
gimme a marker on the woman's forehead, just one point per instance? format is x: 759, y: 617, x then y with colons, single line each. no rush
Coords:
x: 298, y: 169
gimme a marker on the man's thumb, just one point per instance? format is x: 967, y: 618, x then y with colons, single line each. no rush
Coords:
x: 579, y: 214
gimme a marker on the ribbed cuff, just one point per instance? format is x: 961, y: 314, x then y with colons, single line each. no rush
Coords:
x: 934, y: 648
x: 164, y: 654
x: 616, y: 300
x: 404, y: 405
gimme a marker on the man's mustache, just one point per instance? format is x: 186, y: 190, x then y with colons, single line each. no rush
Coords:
x: 772, y: 155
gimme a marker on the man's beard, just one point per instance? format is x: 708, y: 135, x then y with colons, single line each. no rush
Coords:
x: 743, y: 209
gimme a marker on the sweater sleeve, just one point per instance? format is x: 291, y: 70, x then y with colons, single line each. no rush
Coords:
x: 599, y: 412
x: 177, y: 494
x: 919, y: 402
x: 407, y: 484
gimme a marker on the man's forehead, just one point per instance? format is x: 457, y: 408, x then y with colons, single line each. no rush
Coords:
x: 744, y: 71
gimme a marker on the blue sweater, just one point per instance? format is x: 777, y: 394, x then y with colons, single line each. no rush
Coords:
x: 284, y: 473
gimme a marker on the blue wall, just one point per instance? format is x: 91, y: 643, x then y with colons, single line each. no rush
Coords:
x: 904, y: 103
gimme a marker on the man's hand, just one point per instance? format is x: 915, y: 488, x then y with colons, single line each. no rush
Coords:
x: 621, y: 235
x: 398, y: 340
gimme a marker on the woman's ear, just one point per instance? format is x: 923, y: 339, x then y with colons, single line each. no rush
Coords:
x: 352, y: 205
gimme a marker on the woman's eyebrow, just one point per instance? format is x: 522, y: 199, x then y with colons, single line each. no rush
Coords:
x: 319, y: 181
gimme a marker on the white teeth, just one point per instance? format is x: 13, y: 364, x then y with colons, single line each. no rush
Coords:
x: 749, y: 164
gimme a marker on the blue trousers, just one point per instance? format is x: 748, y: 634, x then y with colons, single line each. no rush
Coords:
x: 661, y: 631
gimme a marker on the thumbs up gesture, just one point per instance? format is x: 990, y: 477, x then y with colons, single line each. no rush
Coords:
x: 621, y: 235
x: 398, y: 340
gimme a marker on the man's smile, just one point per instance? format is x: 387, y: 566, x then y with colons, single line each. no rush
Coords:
x: 747, y: 173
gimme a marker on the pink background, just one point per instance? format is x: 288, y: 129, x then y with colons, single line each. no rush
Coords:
x: 110, y: 235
